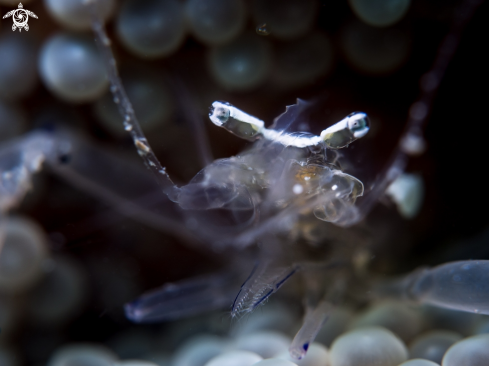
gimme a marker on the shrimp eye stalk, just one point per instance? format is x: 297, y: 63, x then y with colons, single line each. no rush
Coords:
x: 344, y: 132
x: 237, y: 122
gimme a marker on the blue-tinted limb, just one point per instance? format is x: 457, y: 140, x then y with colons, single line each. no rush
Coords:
x: 183, y: 299
x: 319, y: 302
x: 460, y: 285
x: 314, y: 319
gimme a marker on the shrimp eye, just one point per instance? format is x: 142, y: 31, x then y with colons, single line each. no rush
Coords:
x: 358, y: 124
x: 219, y: 114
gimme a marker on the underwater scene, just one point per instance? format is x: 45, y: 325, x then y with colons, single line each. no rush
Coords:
x: 243, y: 182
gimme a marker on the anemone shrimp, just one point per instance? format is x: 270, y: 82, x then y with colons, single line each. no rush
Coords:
x: 289, y: 175
x: 280, y: 235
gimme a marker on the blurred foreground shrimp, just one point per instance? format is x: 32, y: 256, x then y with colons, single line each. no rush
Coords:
x: 462, y: 285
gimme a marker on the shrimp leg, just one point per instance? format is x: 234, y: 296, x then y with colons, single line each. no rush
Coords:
x: 106, y: 176
x: 314, y: 319
x: 319, y: 302
x: 265, y: 279
x: 131, y: 123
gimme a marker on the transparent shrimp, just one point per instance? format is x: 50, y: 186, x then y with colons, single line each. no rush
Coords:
x: 273, y: 178
x: 268, y: 190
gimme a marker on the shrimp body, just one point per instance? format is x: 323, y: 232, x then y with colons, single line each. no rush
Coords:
x: 280, y: 170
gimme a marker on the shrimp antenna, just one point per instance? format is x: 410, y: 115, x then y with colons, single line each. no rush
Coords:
x: 412, y: 142
x: 124, y: 105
